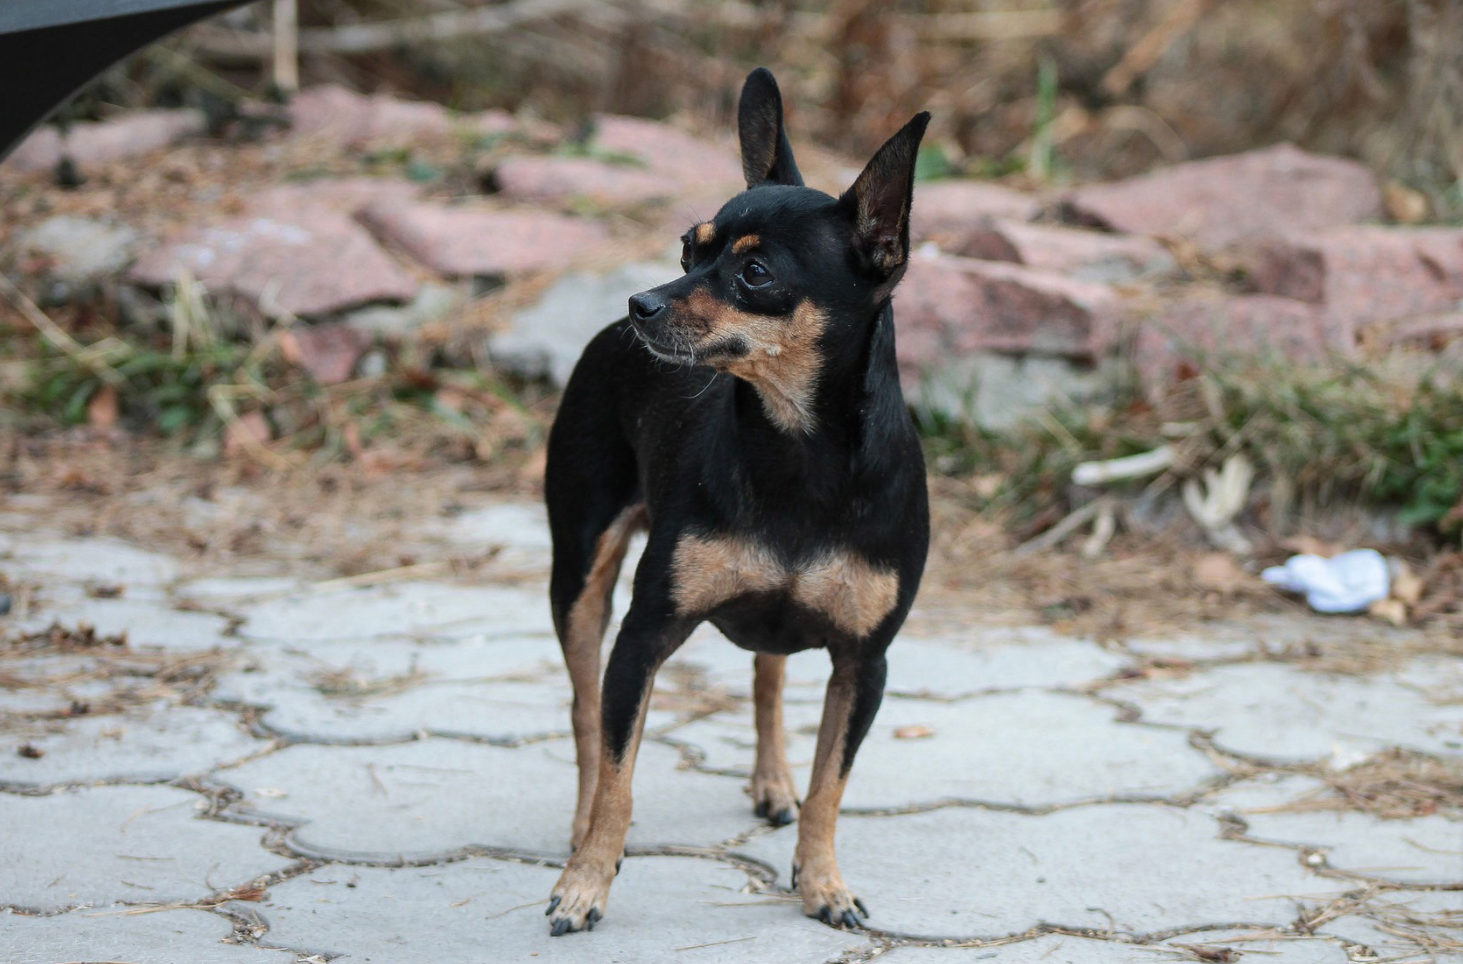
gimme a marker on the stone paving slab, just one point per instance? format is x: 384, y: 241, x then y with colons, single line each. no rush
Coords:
x: 396, y: 610
x: 1022, y: 718
x: 981, y: 749
x: 662, y: 909
x: 1423, y: 850
x: 434, y: 798
x: 1133, y: 868
x: 147, y: 623
x: 115, y: 934
x: 151, y: 743
x: 129, y: 844
x: 1287, y: 714
x: 106, y: 561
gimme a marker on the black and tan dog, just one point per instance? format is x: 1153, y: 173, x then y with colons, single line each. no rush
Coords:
x: 749, y: 416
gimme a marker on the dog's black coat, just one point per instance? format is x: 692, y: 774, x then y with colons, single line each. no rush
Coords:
x: 654, y: 415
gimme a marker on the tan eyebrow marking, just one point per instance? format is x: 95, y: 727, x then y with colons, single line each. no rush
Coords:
x: 746, y: 243
x: 705, y: 232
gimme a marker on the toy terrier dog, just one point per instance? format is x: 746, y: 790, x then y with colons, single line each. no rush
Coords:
x: 748, y: 417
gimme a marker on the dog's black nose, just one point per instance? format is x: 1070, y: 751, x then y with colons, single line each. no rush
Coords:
x: 645, y: 306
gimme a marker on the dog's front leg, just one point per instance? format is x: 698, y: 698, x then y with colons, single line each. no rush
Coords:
x: 854, y: 693
x: 645, y: 642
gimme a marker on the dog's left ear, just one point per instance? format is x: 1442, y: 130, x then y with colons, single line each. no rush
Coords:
x: 879, y: 200
x: 766, y: 154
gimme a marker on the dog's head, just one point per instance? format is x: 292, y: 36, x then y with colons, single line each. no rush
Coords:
x: 785, y: 277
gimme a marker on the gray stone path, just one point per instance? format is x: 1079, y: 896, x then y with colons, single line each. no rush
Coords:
x: 275, y: 770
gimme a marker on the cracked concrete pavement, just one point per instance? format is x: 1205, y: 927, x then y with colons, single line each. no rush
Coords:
x: 379, y: 769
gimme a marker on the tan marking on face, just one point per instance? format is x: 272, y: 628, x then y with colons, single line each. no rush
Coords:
x: 583, y: 633
x: 782, y: 360
x: 855, y: 595
x: 745, y: 243
x: 705, y: 232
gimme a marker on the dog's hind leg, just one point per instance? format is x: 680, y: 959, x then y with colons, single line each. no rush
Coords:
x: 594, y: 509
x: 581, y: 633
x: 774, y: 795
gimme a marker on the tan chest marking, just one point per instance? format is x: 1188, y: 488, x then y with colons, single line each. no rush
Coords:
x: 852, y: 593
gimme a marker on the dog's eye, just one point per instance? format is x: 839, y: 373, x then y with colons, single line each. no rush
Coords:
x: 686, y: 256
x: 756, y: 275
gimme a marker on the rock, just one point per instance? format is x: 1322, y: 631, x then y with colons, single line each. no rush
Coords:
x: 1084, y: 255
x: 461, y: 241
x: 357, y: 120
x: 79, y: 251
x: 1189, y: 331
x: 344, y: 195
x: 944, y: 210
x: 1431, y: 331
x: 545, y: 340
x: 1221, y: 201
x: 557, y: 180
x: 669, y: 152
x: 1365, y: 274
x: 328, y: 352
x: 1000, y: 392
x: 948, y: 305
x: 313, y: 263
x: 91, y: 145
x: 433, y: 303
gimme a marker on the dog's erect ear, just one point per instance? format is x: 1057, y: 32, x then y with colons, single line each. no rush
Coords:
x: 766, y: 154
x: 879, y: 199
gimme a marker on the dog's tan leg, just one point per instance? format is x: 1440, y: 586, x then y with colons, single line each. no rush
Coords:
x: 848, y: 709
x: 583, y: 635
x: 580, y: 896
x: 645, y: 641
x: 774, y: 795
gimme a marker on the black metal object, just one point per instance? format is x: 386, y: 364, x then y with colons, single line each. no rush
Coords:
x: 50, y: 48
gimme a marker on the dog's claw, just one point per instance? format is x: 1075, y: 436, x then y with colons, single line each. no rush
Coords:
x: 781, y: 818
x: 793, y: 882
x: 863, y: 911
x: 560, y: 928
x: 850, y: 919
x: 592, y: 918
x: 553, y: 904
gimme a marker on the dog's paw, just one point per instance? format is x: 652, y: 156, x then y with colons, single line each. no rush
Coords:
x: 827, y: 898
x: 775, y: 798
x: 579, y: 898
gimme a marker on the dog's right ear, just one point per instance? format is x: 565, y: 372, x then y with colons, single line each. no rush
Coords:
x: 766, y: 154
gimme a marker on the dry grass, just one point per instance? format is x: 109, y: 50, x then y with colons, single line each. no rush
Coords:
x: 47, y: 661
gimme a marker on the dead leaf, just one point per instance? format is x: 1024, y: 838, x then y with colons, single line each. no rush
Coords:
x: 1406, y: 205
x: 1406, y: 584
x: 244, y: 433
x: 1393, y: 611
x: 916, y: 731
x: 1311, y: 546
x: 103, y: 409
x: 30, y: 752
x: 1218, y: 572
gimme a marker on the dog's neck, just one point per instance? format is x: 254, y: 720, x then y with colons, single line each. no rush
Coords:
x: 823, y: 433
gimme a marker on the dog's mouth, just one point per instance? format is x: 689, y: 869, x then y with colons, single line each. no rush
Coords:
x: 667, y: 352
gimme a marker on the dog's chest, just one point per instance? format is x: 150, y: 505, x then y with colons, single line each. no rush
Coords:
x: 853, y: 594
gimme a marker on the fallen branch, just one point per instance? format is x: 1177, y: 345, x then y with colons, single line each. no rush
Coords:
x: 1128, y: 467
x: 361, y: 38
